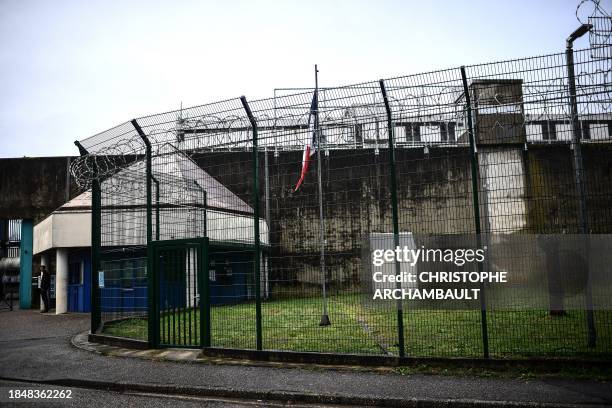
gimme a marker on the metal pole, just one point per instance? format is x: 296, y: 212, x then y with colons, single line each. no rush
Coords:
x: 576, y: 145
x: 268, y: 220
x: 325, y: 316
x: 203, y: 280
x: 156, y: 206
x: 579, y: 174
x: 96, y: 240
x: 474, y: 170
x: 204, y: 289
x: 257, y: 266
x: 153, y: 321
x: 395, y: 215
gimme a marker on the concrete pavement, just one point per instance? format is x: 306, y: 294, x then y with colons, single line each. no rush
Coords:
x: 36, y: 347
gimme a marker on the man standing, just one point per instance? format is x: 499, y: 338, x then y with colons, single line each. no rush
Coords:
x: 45, y: 285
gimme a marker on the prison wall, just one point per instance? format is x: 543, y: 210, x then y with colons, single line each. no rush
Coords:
x: 520, y: 189
x: 552, y: 201
x: 32, y: 187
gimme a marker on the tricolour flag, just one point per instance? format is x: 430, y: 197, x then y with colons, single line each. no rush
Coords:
x: 311, y: 144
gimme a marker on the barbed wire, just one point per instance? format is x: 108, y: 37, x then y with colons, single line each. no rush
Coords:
x: 600, y: 35
x: 354, y: 116
x: 597, y: 10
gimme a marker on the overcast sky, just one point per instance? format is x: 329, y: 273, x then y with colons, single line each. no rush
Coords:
x: 70, y: 69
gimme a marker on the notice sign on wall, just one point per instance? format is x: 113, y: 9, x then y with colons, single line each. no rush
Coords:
x: 101, y: 279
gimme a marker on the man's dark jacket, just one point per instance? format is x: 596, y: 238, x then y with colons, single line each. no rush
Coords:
x: 45, y: 281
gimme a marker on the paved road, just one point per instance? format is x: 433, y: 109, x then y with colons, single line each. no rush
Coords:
x: 37, y: 347
x: 81, y: 397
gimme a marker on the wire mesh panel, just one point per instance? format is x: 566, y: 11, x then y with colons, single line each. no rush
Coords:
x: 123, y: 279
x: 295, y: 192
x: 527, y: 137
x: 178, y: 266
x: 434, y: 195
x: 231, y: 252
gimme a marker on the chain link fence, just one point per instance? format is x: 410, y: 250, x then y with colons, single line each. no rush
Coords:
x: 501, y: 148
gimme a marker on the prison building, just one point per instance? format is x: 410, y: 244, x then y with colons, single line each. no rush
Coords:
x: 431, y: 129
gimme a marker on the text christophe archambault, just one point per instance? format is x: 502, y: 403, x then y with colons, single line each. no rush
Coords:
x: 395, y: 283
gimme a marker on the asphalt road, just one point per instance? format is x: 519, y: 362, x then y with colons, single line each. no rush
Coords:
x: 37, y: 348
x: 82, y: 397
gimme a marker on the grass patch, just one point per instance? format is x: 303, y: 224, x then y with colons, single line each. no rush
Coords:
x: 522, y: 371
x: 130, y: 328
x: 293, y: 324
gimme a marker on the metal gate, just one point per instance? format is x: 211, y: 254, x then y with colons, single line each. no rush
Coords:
x: 180, y: 287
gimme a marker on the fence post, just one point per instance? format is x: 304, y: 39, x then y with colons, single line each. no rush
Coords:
x: 394, y: 212
x: 474, y: 171
x: 579, y: 180
x: 206, y: 283
x: 156, y: 181
x: 204, y: 290
x: 153, y: 321
x: 203, y: 281
x: 257, y: 266
x: 96, y: 240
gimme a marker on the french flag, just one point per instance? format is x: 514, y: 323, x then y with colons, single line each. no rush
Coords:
x: 311, y: 145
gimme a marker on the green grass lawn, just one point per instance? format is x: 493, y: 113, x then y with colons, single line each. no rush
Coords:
x: 294, y: 325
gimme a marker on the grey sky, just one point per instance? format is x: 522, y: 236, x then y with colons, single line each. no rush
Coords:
x: 70, y: 69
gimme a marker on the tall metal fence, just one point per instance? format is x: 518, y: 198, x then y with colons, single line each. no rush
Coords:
x: 505, y: 148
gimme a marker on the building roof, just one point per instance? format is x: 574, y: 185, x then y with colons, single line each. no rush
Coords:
x: 181, y: 181
x: 184, y: 189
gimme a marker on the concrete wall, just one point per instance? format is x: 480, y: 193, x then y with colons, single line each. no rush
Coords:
x: 433, y: 196
x: 63, y: 230
x: 529, y: 190
x: 33, y: 187
x: 520, y: 191
x: 552, y: 205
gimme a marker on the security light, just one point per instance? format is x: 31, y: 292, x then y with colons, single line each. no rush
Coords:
x: 580, y: 31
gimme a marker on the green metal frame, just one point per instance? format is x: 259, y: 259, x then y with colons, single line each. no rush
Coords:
x: 583, y: 212
x: 152, y: 337
x: 96, y: 241
x: 201, y: 244
x: 476, y: 206
x: 396, y: 242
x: 256, y: 238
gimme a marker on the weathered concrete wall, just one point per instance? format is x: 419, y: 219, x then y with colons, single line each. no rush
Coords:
x: 529, y: 190
x: 433, y: 197
x: 33, y: 187
x: 526, y: 191
x: 552, y: 202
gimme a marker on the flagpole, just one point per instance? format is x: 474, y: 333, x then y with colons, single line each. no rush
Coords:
x: 325, y: 317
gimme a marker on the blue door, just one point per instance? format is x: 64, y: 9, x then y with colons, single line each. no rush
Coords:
x: 79, y: 276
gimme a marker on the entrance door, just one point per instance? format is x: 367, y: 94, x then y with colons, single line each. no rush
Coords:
x: 180, y: 304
